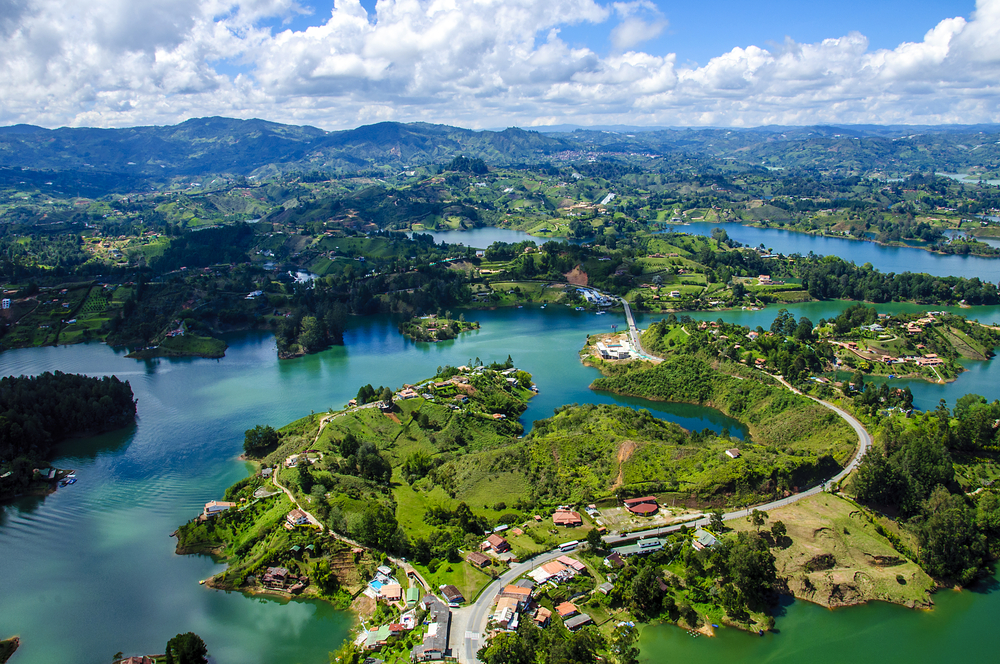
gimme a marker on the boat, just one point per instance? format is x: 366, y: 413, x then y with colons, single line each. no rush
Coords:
x: 601, y: 313
x: 544, y: 305
x: 579, y: 308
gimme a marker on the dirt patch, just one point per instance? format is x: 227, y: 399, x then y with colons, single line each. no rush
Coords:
x: 625, y: 451
x: 392, y: 416
x: 576, y: 276
x: 363, y: 605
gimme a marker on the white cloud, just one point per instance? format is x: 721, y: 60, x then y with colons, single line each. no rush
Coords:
x: 468, y: 62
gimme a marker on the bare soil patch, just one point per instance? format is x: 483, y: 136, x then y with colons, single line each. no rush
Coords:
x: 576, y: 276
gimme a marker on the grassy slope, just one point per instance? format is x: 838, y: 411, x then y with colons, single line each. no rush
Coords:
x: 827, y: 525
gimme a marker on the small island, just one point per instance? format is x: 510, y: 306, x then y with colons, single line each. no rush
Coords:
x: 436, y: 328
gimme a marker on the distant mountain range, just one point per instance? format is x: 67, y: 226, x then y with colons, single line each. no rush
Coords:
x: 204, y: 146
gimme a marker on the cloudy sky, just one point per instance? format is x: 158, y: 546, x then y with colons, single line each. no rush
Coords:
x: 495, y: 63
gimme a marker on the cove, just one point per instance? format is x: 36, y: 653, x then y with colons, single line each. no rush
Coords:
x: 90, y: 569
x: 885, y: 259
x: 960, y: 628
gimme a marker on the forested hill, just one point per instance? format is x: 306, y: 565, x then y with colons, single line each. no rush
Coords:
x: 36, y: 412
x: 240, y: 147
x: 204, y: 146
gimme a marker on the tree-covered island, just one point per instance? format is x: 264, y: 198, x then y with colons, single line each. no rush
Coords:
x: 39, y: 411
x: 436, y: 328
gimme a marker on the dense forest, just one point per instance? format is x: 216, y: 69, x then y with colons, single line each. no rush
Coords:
x: 917, y: 469
x: 36, y: 412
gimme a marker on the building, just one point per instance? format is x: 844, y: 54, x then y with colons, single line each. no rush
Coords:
x: 412, y: 597
x: 377, y: 638
x: 764, y: 280
x: 642, y: 506
x: 5, y: 303
x: 435, y: 643
x: 572, y: 563
x: 614, y: 561
x: 522, y: 595
x: 704, y: 540
x: 297, y: 518
x: 576, y: 622
x: 640, y: 548
x: 567, y: 609
x: 542, y: 616
x: 479, y: 560
x: 408, y: 393
x: 214, y: 507
x: 606, y: 587
x: 391, y: 592
x: 136, y: 659
x: 505, y: 614
x: 453, y: 595
x: 497, y: 543
x: 567, y: 518
x: 733, y: 453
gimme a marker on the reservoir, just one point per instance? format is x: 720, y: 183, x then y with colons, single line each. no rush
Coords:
x: 90, y: 570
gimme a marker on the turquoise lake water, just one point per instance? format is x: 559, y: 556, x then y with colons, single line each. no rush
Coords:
x: 90, y: 570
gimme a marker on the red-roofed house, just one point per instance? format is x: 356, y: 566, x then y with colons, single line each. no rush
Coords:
x: 567, y: 609
x: 497, y: 543
x: 567, y: 518
x: 642, y: 506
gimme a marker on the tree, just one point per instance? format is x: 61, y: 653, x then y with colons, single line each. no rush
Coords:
x: 594, y: 539
x: 187, y: 649
x: 757, y: 518
x: 778, y: 531
x: 259, y: 440
x: 622, y: 646
x: 751, y: 567
x: 950, y: 544
x: 716, y: 523
x: 313, y: 336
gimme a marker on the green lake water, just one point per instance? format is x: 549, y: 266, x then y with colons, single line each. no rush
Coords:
x: 90, y: 570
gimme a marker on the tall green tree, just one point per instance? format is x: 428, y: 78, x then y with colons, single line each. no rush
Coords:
x: 187, y: 648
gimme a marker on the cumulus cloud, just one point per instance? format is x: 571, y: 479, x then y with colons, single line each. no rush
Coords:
x: 468, y: 62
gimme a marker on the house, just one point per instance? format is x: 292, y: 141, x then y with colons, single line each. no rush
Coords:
x: 408, y: 393
x: 480, y: 253
x: 542, y: 616
x: 391, y: 592
x: 606, y: 587
x: 396, y: 629
x: 497, y: 543
x: 136, y: 659
x: 297, y: 518
x: 642, y: 506
x: 704, y: 540
x: 567, y: 518
x: 453, y: 595
x: 614, y: 560
x: 640, y: 548
x: 412, y: 596
x: 435, y: 643
x: 567, y: 609
x: 478, y: 559
x: 214, y: 507
x: 5, y: 303
x: 553, y: 569
x: 733, y: 453
x: 572, y: 563
x: 522, y: 595
x: 377, y: 638
x: 505, y: 615
x: 576, y: 622
x: 764, y: 280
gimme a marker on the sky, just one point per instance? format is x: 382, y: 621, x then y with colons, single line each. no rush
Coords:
x: 338, y: 64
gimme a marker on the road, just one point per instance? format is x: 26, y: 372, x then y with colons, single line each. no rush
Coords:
x: 633, y: 332
x: 468, y: 623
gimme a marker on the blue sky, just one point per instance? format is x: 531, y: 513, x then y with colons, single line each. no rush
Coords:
x: 699, y: 31
x: 489, y: 63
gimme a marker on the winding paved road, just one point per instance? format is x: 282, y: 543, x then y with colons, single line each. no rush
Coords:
x: 469, y: 622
